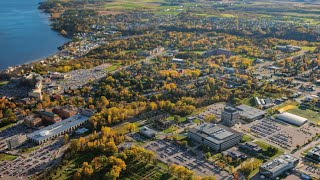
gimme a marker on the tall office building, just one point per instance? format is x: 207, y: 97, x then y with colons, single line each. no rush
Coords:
x: 230, y: 116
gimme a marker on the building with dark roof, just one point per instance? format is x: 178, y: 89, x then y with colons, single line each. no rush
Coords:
x: 230, y: 116
x: 250, y: 146
x: 314, y: 154
x: 215, y: 136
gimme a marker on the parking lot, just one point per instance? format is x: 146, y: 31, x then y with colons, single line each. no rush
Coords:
x: 215, y: 109
x: 28, y: 164
x: 281, y: 135
x: 170, y: 153
x: 78, y: 78
x: 309, y: 168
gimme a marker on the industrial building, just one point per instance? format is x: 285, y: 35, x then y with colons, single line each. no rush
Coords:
x: 230, y: 116
x: 278, y: 166
x: 215, y: 136
x: 314, y: 154
x: 16, y: 141
x: 292, y: 119
x: 249, y: 113
x: 147, y: 132
x: 58, y: 129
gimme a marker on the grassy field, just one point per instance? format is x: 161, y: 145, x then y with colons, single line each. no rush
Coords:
x: 141, y: 171
x: 246, y: 138
x: 307, y: 48
x: 253, y: 160
x: 123, y: 129
x: 3, y: 83
x: 311, y: 115
x: 170, y: 130
x: 67, y: 170
x: 181, y: 119
x: 264, y: 147
x: 227, y: 15
x: 29, y: 150
x: 130, y: 4
x: 7, y: 157
x: 7, y: 127
x: 197, y: 121
x: 113, y: 67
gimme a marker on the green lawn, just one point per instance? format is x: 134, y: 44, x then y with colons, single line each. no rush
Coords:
x: 29, y: 150
x: 249, y: 101
x: 311, y: 115
x: 7, y: 157
x: 137, y: 4
x: 197, y: 121
x: 227, y: 15
x: 179, y: 137
x: 307, y: 48
x: 123, y: 128
x: 67, y: 170
x: 3, y: 83
x: 170, y: 130
x: 140, y: 171
x: 7, y: 126
x: 246, y: 138
x: 265, y: 146
x: 181, y: 119
x: 113, y: 67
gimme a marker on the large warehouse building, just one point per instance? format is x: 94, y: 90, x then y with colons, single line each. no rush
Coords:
x: 57, y: 129
x: 249, y: 113
x: 292, y: 119
x: 215, y: 136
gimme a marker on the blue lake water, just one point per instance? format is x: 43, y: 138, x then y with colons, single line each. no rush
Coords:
x: 25, y: 33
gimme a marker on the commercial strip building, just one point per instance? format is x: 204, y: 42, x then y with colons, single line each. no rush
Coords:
x: 215, y: 136
x: 314, y: 154
x: 278, y: 166
x: 249, y: 113
x: 292, y: 119
x: 57, y: 129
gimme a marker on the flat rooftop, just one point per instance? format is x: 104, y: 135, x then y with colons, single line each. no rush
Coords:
x: 250, y: 112
x: 58, y: 127
x: 279, y: 163
x: 315, y: 150
x: 214, y: 132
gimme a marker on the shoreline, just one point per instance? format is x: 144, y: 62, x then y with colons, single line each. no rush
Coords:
x: 31, y: 61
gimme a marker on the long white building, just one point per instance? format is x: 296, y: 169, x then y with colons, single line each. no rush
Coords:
x: 58, y: 129
x: 215, y: 136
x: 292, y: 119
